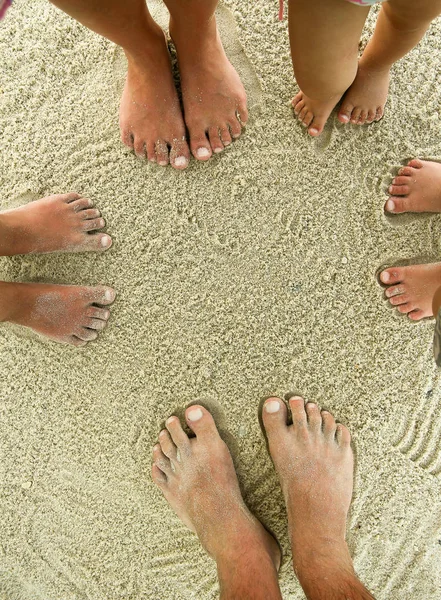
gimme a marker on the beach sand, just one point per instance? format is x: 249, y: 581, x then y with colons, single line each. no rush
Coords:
x: 252, y: 274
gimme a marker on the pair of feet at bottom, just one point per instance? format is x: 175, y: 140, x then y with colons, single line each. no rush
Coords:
x: 412, y: 289
x: 314, y: 462
x: 61, y: 223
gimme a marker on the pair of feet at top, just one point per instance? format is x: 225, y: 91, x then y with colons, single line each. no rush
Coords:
x: 314, y: 462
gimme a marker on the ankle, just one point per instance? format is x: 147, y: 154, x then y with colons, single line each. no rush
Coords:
x: 148, y: 53
x: 194, y: 33
x: 9, y: 302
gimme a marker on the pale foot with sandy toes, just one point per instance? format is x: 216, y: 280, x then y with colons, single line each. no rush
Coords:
x: 416, y: 189
x: 215, y: 103
x: 412, y: 289
x: 151, y: 120
x: 197, y: 477
x: 363, y: 103
x: 59, y: 223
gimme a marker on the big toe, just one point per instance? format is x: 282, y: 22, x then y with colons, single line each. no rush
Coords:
x: 201, y: 422
x: 345, y: 112
x: 391, y: 276
x: 102, y: 295
x: 274, y: 416
x: 398, y: 204
x: 316, y: 126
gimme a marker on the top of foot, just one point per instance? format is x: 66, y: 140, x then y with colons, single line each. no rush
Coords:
x: 197, y: 478
x: 416, y: 189
x: 59, y: 223
x: 364, y: 101
x: 313, y: 114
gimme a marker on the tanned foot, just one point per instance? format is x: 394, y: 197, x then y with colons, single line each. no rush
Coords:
x: 150, y: 115
x: 364, y: 101
x: 213, y: 95
x: 197, y: 477
x: 313, y: 114
x: 314, y: 462
x: 66, y: 314
x: 60, y: 223
x: 412, y: 289
x: 417, y: 188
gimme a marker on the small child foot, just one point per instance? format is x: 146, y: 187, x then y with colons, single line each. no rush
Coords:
x: 312, y: 113
x: 197, y: 477
x: 66, y: 314
x: 417, y: 188
x: 412, y: 289
x: 59, y: 223
x: 364, y: 101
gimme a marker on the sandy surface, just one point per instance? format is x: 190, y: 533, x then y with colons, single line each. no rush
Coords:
x: 249, y: 275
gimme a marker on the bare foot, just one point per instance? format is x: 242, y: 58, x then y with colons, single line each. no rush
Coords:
x: 60, y: 223
x: 364, y: 101
x: 314, y: 462
x: 150, y: 114
x: 67, y: 314
x: 213, y: 95
x: 417, y: 188
x: 197, y: 478
x: 412, y: 289
x: 313, y: 114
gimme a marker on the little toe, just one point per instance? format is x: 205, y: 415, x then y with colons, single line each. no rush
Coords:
x: 298, y: 413
x: 297, y: 98
x: 391, y: 276
x: 102, y: 295
x: 161, y: 152
x: 342, y: 436
x: 81, y: 204
x: 94, y: 312
x: 416, y: 163
x: 127, y: 138
x: 398, y: 190
x: 139, y: 147
x: 328, y: 424
x: 178, y: 435
x: 96, y: 324
x: 93, y: 224
x: 405, y: 308
x: 201, y: 422
x: 314, y: 416
x: 345, y: 112
x: 161, y: 461
x: 394, y: 290
x: 235, y: 128
x: 274, y: 416
x: 370, y: 117
x: 379, y: 113
x: 158, y: 476
x: 215, y: 141
x: 416, y: 315
x: 87, y: 335
x: 167, y: 445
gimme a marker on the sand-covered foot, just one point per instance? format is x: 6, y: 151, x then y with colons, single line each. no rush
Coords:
x: 364, y: 101
x: 59, y: 223
x: 197, y: 477
x: 215, y: 105
x: 314, y: 462
x: 66, y: 314
x: 151, y: 120
x: 417, y: 188
x: 412, y: 289
x: 313, y: 114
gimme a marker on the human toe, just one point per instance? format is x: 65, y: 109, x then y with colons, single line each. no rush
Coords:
x: 96, y: 324
x: 406, y: 171
x: 70, y: 197
x: 98, y: 242
x: 342, y: 436
x: 225, y: 136
x: 298, y: 413
x: 379, y: 113
x: 274, y: 416
x: 406, y: 308
x: 215, y: 141
x: 200, y: 146
x: 161, y: 461
x: 81, y: 204
x: 178, y: 435
x: 89, y: 213
x: 370, y: 117
x: 396, y: 205
x: 75, y: 341
x: 179, y: 154
x: 158, y: 476
x: 93, y: 224
x: 201, y: 422
x: 85, y: 334
x: 355, y: 115
x: 161, y: 153
x: 94, y: 312
x: 102, y: 295
x: 235, y: 128
x: 416, y: 163
x: 328, y: 424
x: 391, y: 276
x: 416, y: 315
x: 399, y: 189
x: 313, y: 416
x: 167, y: 445
x: 139, y: 147
x: 362, y: 118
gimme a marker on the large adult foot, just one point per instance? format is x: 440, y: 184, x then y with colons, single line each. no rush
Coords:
x: 213, y: 95
x: 197, y: 477
x: 67, y: 314
x: 60, y: 223
x: 151, y: 120
x: 364, y: 101
x: 313, y: 114
x: 314, y: 462
x: 412, y: 289
x: 417, y: 188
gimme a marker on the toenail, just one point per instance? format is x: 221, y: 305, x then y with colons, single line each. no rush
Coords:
x: 195, y: 415
x: 105, y: 241
x: 217, y: 150
x: 108, y: 295
x: 390, y: 205
x: 345, y: 118
x: 272, y: 406
x: 163, y: 163
x: 236, y: 135
x: 385, y: 277
x: 181, y: 161
x: 227, y: 143
x: 170, y: 420
x: 313, y: 131
x: 202, y: 152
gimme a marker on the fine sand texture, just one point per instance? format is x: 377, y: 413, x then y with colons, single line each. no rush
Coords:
x: 252, y: 274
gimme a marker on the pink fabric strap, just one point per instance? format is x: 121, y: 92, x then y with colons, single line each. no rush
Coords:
x: 280, y: 10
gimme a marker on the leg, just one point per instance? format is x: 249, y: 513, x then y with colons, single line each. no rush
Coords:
x: 417, y: 188
x: 66, y: 314
x: 401, y: 25
x: 60, y: 223
x: 324, y: 36
x: 150, y: 116
x: 412, y: 289
x: 212, y: 92
x: 314, y: 461
x: 197, y: 478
